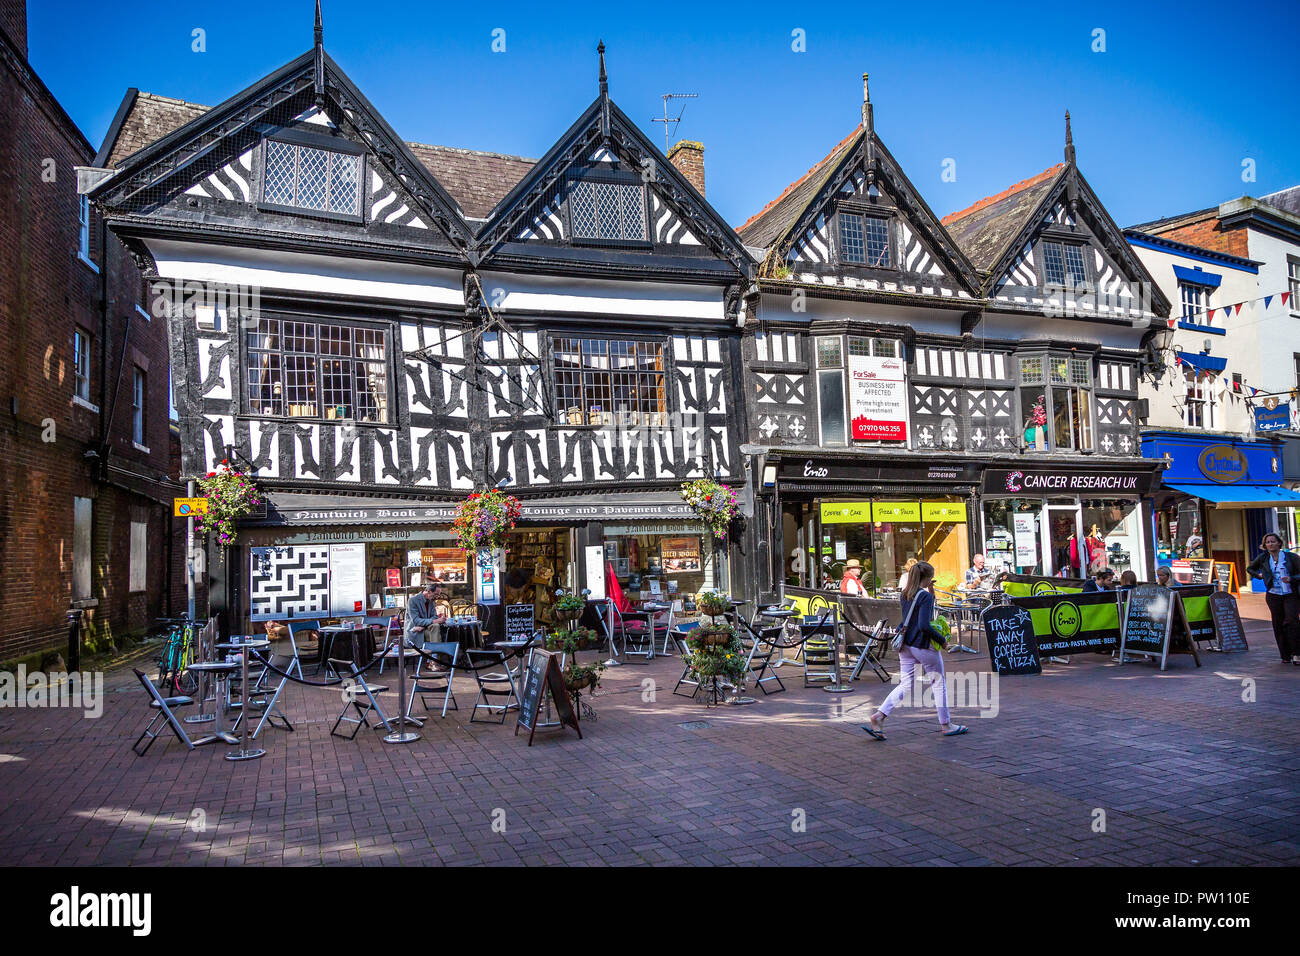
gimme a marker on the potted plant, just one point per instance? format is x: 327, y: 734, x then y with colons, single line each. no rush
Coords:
x: 582, y: 676
x: 712, y: 603
x: 569, y: 607
x: 231, y: 495
x: 483, y: 520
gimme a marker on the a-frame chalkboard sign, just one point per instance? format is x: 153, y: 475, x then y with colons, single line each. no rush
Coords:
x: 1149, y: 625
x: 543, y: 676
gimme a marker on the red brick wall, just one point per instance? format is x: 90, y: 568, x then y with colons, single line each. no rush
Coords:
x: 45, y: 292
x: 1208, y: 234
x: 13, y: 21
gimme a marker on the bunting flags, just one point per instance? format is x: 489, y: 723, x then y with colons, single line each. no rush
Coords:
x: 1234, y: 308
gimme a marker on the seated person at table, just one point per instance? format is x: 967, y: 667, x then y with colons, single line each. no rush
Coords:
x: 423, y: 620
x: 1103, y: 580
x: 977, y: 576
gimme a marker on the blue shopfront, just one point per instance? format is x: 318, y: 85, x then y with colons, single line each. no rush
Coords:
x: 1218, y: 498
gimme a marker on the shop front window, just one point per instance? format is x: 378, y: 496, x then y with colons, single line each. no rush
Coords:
x: 884, y: 536
x: 537, y: 564
x: 1111, y: 533
x: 1180, y: 531
x: 1012, y: 535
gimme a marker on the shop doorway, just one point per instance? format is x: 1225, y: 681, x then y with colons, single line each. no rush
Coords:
x: 1065, y: 547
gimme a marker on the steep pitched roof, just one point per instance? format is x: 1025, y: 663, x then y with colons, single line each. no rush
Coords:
x: 476, y: 180
x: 984, y: 229
x: 766, y: 226
x: 479, y: 180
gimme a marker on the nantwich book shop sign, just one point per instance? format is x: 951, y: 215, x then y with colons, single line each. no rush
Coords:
x: 1149, y: 625
x: 1013, y: 647
x: 1064, y: 624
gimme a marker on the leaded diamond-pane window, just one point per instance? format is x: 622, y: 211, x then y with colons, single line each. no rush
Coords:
x: 852, y: 248
x: 608, y: 211
x: 877, y: 236
x: 1063, y: 264
x: 317, y: 180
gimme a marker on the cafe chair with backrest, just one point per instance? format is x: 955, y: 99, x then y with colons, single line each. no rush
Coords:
x: 434, y: 676
x: 359, y: 697
x: 498, y: 685
x: 269, y: 705
x: 761, y: 652
x: 162, y: 708
x: 820, y: 648
x: 680, y: 635
x: 301, y: 633
x: 392, y: 630
x: 637, y: 636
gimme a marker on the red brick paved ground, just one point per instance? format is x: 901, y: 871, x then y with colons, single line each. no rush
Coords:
x: 1185, y: 770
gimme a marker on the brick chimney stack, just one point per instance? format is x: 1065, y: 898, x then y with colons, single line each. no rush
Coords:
x: 688, y: 157
x: 13, y: 21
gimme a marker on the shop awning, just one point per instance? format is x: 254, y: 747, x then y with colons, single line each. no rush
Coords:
x: 1241, y: 496
x: 1203, y: 363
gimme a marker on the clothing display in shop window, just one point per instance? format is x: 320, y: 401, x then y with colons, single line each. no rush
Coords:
x: 1096, y: 550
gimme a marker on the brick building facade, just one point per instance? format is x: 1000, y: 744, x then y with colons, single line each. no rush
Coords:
x: 85, y: 440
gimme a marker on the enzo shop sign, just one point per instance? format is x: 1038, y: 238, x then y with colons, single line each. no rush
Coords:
x: 999, y: 481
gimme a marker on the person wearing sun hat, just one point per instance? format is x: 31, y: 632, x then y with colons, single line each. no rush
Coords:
x: 851, y: 583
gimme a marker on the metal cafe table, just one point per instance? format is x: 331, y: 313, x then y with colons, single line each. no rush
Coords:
x: 465, y: 630
x: 249, y: 642
x: 221, y: 670
x: 361, y: 641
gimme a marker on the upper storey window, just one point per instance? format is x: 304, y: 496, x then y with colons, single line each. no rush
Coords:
x: 864, y: 240
x: 1063, y: 264
x: 303, y: 177
x: 608, y: 211
x: 317, y: 370
x: 609, y: 381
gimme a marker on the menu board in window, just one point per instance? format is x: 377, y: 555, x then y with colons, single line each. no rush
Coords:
x: 347, y: 579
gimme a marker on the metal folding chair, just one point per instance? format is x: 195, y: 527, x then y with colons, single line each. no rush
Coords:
x: 760, y: 660
x: 163, y: 707
x: 679, y: 636
x: 638, y: 636
x: 820, y: 649
x: 355, y: 694
x: 270, y: 705
x: 494, y: 684
x: 392, y: 630
x: 436, y: 678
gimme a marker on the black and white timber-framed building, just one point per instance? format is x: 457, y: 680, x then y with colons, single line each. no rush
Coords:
x: 402, y: 324
x: 893, y: 361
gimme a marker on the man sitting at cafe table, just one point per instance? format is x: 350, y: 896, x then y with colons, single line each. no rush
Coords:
x: 977, y: 575
x: 423, y: 620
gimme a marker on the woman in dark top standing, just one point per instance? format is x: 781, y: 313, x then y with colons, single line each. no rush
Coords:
x: 919, y: 640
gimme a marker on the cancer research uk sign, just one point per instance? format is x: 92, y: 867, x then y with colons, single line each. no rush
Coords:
x: 877, y: 398
x: 1033, y: 482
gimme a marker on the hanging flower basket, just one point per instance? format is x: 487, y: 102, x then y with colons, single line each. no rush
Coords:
x: 712, y: 603
x: 231, y: 495
x: 483, y: 520
x: 569, y: 607
x: 713, y: 503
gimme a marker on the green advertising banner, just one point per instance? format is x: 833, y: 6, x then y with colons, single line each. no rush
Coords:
x: 1196, y: 608
x: 1074, y: 623
x: 1028, y: 585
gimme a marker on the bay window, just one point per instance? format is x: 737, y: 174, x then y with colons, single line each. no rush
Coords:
x: 1056, y: 399
x: 861, y: 390
x: 609, y: 381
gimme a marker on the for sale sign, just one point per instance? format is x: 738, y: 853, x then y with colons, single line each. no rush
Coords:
x: 878, y: 398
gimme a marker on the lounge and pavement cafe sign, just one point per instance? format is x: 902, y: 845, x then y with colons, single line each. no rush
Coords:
x: 1033, y: 482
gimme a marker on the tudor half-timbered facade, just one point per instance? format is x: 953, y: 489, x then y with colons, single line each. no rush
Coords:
x: 375, y: 328
x: 894, y: 364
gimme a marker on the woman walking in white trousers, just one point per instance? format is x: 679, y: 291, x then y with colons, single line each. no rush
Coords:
x: 922, y: 645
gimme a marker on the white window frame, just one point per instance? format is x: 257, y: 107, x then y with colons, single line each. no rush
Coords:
x: 139, y: 390
x: 1199, y: 399
x: 81, y: 342
x: 83, y: 232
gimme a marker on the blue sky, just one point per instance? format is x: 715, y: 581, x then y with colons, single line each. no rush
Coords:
x: 1163, y: 118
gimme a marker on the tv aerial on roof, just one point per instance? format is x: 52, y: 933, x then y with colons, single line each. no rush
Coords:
x: 670, y: 122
